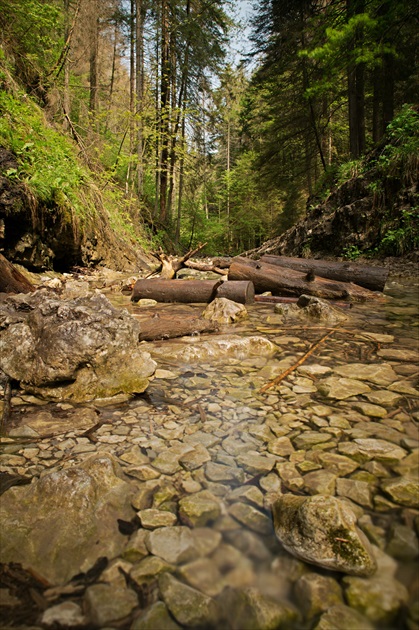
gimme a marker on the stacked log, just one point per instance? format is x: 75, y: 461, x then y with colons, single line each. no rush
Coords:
x: 367, y: 276
x: 289, y: 282
x: 192, y: 291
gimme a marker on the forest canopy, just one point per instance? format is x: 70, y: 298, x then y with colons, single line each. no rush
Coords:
x: 197, y: 147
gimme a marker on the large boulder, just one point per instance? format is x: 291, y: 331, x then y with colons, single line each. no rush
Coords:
x: 62, y: 523
x: 78, y: 349
x: 322, y: 530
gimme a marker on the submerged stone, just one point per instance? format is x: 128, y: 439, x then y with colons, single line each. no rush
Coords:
x: 322, y: 530
x: 188, y: 606
x: 53, y: 525
x: 250, y: 609
x: 402, y: 490
x: 341, y: 388
x: 342, y: 617
x: 378, y: 598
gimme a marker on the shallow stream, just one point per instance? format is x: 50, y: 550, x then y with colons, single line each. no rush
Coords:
x: 250, y: 446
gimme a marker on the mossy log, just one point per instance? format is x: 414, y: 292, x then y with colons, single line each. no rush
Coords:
x: 11, y: 280
x: 367, y: 276
x: 288, y: 282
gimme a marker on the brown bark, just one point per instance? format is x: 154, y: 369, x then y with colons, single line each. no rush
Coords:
x: 373, y: 278
x: 11, y: 280
x: 191, y: 291
x: 282, y: 281
x: 170, y: 327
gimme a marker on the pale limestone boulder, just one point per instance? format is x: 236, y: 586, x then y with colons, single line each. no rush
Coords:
x: 53, y: 525
x: 79, y: 349
x: 224, y: 311
x: 322, y: 530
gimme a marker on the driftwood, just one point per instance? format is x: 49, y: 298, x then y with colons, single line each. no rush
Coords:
x: 166, y: 327
x: 367, y: 276
x: 190, y: 291
x: 11, y: 280
x: 202, y: 266
x: 288, y: 282
x: 170, y: 265
x: 300, y: 361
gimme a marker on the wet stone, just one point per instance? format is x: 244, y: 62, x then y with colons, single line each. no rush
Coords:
x: 402, y: 490
x: 403, y: 543
x: 152, y: 518
x: 308, y: 439
x: 383, y: 397
x: 255, y: 464
x: 322, y: 530
x: 367, y: 409
x: 196, y: 458
x: 377, y: 373
x: 219, y: 472
x: 173, y: 544
x: 358, y: 491
x: 317, y: 593
x: 251, y: 518
x: 320, y: 482
x: 199, y: 509
x: 364, y: 449
x: 67, y: 614
x: 247, y: 494
x: 149, y: 569
x: 204, y: 575
x: 282, y: 446
x: 378, y: 598
x: 342, y: 617
x: 341, y: 388
x: 188, y: 606
x: 335, y: 463
x: 156, y: 616
x: 249, y: 608
x: 106, y: 604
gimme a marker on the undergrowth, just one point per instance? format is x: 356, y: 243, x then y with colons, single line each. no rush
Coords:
x: 51, y: 169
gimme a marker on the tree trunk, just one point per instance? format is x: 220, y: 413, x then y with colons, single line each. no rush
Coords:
x: 356, y: 96
x: 11, y: 280
x: 373, y: 278
x: 93, y: 61
x: 165, y: 107
x: 281, y: 281
x: 191, y: 291
x: 139, y: 55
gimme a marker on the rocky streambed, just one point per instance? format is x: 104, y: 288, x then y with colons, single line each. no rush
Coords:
x: 204, y: 503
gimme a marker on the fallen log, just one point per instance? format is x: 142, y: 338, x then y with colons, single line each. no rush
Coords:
x: 11, y: 280
x: 161, y: 327
x: 288, y: 282
x: 191, y: 291
x: 367, y: 276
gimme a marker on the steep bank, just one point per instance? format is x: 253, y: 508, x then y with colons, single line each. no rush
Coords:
x: 371, y: 208
x: 55, y: 212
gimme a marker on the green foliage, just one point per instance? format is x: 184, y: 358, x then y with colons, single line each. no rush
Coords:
x: 352, y: 252
x: 404, y: 238
x: 48, y: 162
x: 32, y: 30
